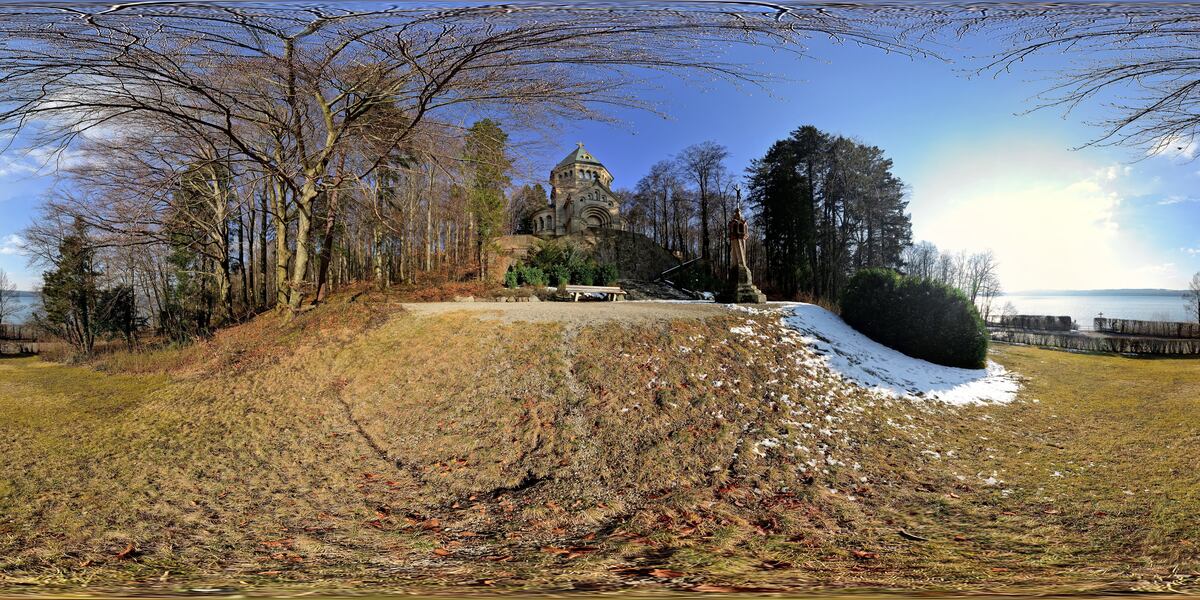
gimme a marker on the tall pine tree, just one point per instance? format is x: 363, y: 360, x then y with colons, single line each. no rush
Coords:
x: 827, y: 206
x: 486, y: 153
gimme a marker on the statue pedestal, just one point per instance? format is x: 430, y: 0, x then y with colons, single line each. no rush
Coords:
x: 741, y: 288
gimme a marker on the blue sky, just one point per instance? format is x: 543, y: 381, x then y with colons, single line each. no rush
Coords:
x: 980, y: 174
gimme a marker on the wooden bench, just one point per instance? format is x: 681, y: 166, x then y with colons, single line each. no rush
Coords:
x: 610, y: 293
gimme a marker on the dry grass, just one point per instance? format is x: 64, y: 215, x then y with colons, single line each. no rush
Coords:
x: 361, y: 446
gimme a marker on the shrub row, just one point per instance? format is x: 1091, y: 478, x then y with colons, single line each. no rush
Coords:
x: 519, y: 275
x: 919, y: 317
x: 560, y: 263
x: 582, y: 272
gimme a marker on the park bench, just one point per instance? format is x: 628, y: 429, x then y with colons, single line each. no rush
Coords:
x: 609, y: 292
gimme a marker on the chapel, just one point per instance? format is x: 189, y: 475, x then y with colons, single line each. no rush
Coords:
x: 581, y: 198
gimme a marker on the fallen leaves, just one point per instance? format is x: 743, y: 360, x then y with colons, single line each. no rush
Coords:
x: 643, y: 571
x: 129, y: 552
x: 665, y: 573
x: 864, y: 555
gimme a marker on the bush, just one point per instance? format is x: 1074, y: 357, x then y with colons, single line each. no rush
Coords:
x: 607, y: 274
x: 529, y: 275
x: 511, y: 279
x: 537, y: 277
x: 919, y: 317
x: 559, y: 275
x: 560, y: 261
x: 583, y: 273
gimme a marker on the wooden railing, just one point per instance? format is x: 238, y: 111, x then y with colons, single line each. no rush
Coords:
x: 1162, y: 329
x: 18, y: 333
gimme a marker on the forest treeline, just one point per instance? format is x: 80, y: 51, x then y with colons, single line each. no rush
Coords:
x: 218, y: 162
x: 224, y: 160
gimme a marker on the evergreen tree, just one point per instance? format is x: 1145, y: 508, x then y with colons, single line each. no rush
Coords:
x: 781, y: 189
x: 486, y: 153
x: 827, y: 206
x: 69, y: 292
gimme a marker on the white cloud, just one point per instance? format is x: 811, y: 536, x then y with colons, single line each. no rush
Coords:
x: 1190, y: 251
x: 1052, y: 219
x: 42, y: 161
x: 1176, y: 199
x: 1112, y: 172
x: 10, y: 166
x: 12, y: 245
x: 1175, y: 146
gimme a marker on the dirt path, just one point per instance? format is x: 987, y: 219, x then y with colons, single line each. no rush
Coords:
x: 574, y: 313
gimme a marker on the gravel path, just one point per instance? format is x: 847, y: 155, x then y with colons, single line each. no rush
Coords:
x: 575, y: 313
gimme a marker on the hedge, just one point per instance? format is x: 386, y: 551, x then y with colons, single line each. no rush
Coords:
x: 919, y: 317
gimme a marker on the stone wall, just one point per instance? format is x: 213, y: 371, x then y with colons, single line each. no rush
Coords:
x: 1163, y: 329
x: 636, y: 256
x: 11, y: 347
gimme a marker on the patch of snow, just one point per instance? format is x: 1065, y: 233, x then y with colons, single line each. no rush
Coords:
x: 868, y: 363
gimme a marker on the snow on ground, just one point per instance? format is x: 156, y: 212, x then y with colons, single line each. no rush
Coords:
x: 866, y: 362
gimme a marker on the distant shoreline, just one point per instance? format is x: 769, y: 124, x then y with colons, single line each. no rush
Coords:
x: 1110, y: 292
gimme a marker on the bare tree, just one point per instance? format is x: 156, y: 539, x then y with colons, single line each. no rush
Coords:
x: 8, y: 297
x: 979, y: 275
x: 1193, y: 297
x: 289, y: 94
x: 704, y: 166
x: 1144, y: 55
x: 921, y: 259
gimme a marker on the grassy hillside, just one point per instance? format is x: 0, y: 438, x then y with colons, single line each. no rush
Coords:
x: 361, y: 445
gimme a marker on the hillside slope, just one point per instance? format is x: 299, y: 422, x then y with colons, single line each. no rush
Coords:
x: 370, y: 445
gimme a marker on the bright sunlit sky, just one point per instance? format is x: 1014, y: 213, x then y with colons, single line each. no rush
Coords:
x: 980, y: 174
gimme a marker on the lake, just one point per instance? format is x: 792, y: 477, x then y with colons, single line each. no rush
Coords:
x: 1085, y: 307
x: 26, y: 302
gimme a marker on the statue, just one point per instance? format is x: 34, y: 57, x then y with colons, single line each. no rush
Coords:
x: 740, y: 287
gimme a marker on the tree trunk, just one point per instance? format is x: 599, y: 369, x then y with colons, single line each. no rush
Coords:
x: 282, y: 253
x: 326, y: 244
x: 242, y: 258
x: 304, y: 206
x: 262, y: 247
x: 429, y: 224
x: 251, y: 295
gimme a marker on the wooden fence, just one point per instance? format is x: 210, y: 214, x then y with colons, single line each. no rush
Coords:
x: 19, y: 333
x: 19, y: 339
x: 1158, y: 329
x: 1099, y: 342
